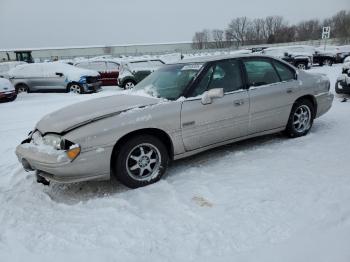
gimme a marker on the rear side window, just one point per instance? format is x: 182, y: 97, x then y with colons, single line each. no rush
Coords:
x: 112, y: 66
x: 98, y: 66
x: 260, y: 72
x: 285, y: 72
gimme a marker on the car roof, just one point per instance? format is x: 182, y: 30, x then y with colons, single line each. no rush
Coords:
x: 205, y: 59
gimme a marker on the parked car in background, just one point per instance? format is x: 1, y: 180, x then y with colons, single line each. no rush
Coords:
x: 301, y: 60
x: 344, y: 52
x: 5, y: 67
x: 54, y: 76
x: 342, y: 85
x: 210, y: 101
x: 7, y: 91
x: 108, y: 69
x: 326, y: 56
x: 133, y: 71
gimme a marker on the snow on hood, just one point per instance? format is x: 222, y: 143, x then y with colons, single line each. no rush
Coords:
x: 71, y: 73
x: 82, y: 113
x: 5, y: 85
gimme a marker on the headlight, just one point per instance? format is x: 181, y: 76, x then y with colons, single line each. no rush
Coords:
x: 53, y: 140
x: 82, y: 80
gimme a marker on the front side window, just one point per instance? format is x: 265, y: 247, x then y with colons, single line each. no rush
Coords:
x: 285, y: 72
x: 169, y: 81
x: 260, y: 72
x: 224, y: 74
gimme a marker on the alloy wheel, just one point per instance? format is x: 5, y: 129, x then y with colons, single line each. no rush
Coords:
x: 75, y: 89
x: 129, y: 85
x: 302, y: 119
x: 143, y: 162
x: 301, y: 66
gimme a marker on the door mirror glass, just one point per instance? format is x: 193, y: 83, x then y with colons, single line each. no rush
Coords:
x: 208, y: 96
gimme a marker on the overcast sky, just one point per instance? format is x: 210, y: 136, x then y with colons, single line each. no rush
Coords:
x: 48, y: 23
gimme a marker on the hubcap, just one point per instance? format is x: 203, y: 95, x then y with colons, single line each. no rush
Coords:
x: 75, y: 89
x: 22, y: 89
x: 129, y: 85
x: 143, y: 162
x: 302, y: 119
x: 301, y: 66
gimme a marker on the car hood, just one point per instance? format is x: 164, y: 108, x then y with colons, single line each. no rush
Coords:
x: 83, y: 113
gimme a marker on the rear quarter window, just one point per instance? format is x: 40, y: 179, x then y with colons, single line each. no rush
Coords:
x: 285, y: 72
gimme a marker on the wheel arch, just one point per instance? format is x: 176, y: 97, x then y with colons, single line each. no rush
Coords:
x: 156, y: 132
x: 312, y: 99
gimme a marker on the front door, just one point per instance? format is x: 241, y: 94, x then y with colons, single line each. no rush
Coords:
x: 223, y: 119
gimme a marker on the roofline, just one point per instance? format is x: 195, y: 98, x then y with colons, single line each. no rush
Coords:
x: 90, y: 46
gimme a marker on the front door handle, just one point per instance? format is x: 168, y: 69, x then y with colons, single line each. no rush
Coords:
x: 238, y: 102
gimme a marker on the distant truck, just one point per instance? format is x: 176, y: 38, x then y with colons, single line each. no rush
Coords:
x: 17, y: 55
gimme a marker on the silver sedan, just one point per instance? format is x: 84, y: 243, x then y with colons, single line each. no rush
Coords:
x: 178, y: 111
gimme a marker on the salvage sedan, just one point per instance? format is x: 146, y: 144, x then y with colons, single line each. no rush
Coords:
x: 184, y: 109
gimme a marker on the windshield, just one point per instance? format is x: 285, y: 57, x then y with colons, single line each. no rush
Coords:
x: 169, y: 81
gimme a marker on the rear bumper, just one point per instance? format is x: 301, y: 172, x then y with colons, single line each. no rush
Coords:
x: 89, y: 165
x: 324, y: 103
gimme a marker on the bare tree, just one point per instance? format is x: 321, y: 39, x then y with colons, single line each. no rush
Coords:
x: 273, y: 24
x: 341, y: 24
x: 237, y: 29
x: 218, y: 38
x: 201, y: 39
x: 307, y: 30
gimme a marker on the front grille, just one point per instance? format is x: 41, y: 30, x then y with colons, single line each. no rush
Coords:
x: 92, y: 79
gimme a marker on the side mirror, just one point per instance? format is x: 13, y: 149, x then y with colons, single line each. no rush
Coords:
x: 208, y: 96
x: 59, y: 74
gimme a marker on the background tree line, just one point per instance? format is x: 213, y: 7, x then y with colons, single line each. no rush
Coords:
x: 272, y: 29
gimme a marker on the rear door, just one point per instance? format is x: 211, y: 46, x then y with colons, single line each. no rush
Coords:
x: 272, y: 91
x: 112, y: 73
x: 101, y: 67
x: 225, y: 118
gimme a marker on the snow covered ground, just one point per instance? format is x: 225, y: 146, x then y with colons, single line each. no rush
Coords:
x: 268, y: 199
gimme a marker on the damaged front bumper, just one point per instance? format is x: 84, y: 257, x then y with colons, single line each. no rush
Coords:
x: 93, y: 164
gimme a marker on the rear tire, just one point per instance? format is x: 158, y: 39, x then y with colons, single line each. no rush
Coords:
x: 301, y: 118
x: 142, y: 160
x: 129, y: 84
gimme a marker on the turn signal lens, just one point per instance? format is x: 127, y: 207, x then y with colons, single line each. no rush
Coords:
x: 73, y: 153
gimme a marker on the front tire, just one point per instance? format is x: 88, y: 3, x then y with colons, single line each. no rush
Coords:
x: 75, y: 88
x: 21, y: 88
x: 141, y: 161
x: 301, y: 118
